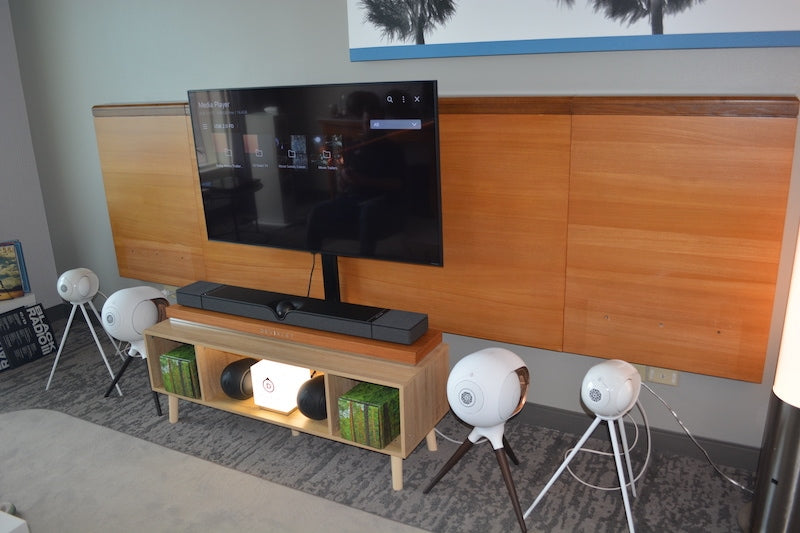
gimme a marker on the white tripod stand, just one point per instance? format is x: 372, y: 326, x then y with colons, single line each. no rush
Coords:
x: 78, y: 286
x: 96, y: 340
x: 610, y: 389
x: 617, y: 460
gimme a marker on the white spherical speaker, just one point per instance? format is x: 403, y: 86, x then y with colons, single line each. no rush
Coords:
x: 128, y: 312
x: 488, y: 387
x: 610, y: 389
x: 78, y: 285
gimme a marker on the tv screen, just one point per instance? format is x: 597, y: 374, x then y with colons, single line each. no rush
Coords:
x: 343, y: 170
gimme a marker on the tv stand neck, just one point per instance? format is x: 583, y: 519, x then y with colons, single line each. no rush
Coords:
x: 330, y: 277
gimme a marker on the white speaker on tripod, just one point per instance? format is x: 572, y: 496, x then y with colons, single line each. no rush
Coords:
x: 485, y: 389
x: 125, y: 316
x: 609, y: 389
x: 79, y: 286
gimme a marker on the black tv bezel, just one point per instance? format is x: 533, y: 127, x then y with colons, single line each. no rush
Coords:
x: 330, y: 258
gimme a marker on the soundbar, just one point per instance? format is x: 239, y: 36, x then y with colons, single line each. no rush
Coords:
x: 391, y: 325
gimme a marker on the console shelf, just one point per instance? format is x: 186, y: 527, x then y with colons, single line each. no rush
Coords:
x: 422, y: 387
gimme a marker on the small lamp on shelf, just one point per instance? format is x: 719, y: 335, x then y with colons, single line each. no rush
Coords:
x: 775, y: 504
x: 275, y: 385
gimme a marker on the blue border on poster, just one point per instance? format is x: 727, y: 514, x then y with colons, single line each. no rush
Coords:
x: 581, y: 44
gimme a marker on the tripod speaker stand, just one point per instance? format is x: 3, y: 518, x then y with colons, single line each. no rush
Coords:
x: 485, y: 389
x: 78, y: 286
x: 610, y: 389
x: 501, y: 448
x: 126, y: 314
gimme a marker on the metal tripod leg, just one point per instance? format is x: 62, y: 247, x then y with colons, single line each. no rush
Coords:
x: 99, y: 346
x: 627, y: 453
x: 621, y: 474
x: 464, y: 448
x: 617, y: 461
x: 110, y: 338
x: 122, y: 369
x: 94, y: 335
x: 561, y: 468
x: 512, y: 491
x: 61, y: 346
x: 509, y: 451
x: 502, y: 460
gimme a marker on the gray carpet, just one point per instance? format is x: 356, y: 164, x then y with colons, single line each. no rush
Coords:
x: 677, y: 493
x: 67, y: 475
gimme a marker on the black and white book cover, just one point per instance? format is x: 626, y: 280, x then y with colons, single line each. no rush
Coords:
x: 25, y: 335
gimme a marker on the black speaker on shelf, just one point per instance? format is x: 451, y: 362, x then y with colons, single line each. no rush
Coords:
x: 311, y: 398
x: 235, y: 379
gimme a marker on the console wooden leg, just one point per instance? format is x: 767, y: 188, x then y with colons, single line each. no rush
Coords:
x: 173, y: 408
x: 397, y: 472
x: 430, y: 439
x: 295, y: 433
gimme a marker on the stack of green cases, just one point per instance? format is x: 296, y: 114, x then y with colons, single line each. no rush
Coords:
x: 370, y: 414
x: 179, y: 371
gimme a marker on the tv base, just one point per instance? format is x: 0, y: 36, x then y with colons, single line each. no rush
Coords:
x: 391, y: 325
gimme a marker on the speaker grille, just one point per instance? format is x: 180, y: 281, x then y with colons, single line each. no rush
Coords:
x: 595, y: 395
x: 466, y: 397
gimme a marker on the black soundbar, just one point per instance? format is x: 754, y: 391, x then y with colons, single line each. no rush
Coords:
x: 402, y: 327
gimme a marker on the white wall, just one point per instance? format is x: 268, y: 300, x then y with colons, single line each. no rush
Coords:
x: 77, y: 54
x: 22, y: 213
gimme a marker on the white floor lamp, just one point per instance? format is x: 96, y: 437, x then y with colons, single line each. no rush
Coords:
x: 775, y: 505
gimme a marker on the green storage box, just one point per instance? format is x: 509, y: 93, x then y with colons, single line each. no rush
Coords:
x: 370, y: 414
x: 179, y: 371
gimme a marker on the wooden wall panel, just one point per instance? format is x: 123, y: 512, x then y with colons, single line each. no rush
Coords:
x: 646, y: 228
x: 504, y: 183
x: 504, y: 186
x: 675, y: 232
x: 150, y: 178
x: 263, y: 268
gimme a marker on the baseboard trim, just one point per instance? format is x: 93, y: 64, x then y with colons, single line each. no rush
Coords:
x: 721, y: 452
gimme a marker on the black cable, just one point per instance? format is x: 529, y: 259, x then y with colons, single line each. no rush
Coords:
x: 311, y: 275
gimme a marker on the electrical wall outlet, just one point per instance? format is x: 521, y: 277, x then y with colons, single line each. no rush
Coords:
x: 662, y: 375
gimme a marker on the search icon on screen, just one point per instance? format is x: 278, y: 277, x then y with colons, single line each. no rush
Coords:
x: 390, y: 99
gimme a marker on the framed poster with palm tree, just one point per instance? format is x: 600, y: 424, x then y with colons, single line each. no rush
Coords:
x: 404, y: 29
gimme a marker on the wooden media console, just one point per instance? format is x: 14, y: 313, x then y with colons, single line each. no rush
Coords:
x: 344, y: 363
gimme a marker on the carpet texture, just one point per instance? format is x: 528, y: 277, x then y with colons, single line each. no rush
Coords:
x: 676, y: 494
x: 67, y: 475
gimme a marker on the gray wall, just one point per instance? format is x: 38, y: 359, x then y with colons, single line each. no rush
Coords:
x: 77, y: 54
x: 22, y: 213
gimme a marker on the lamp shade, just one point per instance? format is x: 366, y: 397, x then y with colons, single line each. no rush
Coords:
x: 275, y: 385
x: 787, y: 374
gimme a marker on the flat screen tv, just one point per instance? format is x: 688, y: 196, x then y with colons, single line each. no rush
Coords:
x: 341, y: 169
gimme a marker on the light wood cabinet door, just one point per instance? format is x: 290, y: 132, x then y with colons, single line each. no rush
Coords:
x: 675, y: 233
